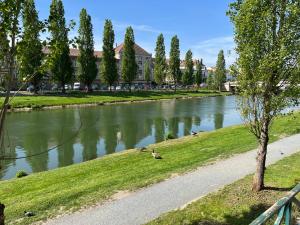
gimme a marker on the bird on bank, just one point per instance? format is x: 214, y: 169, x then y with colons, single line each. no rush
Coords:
x: 156, y: 155
x: 143, y: 149
x: 28, y: 214
x: 194, y: 133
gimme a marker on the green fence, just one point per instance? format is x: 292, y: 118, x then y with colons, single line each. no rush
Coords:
x: 283, y: 209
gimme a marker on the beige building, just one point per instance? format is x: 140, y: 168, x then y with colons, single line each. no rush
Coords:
x: 142, y: 56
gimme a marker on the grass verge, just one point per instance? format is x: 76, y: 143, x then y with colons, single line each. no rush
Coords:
x: 236, y: 203
x: 67, y: 189
x: 75, y: 98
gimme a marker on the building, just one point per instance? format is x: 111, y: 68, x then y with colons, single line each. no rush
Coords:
x: 142, y: 56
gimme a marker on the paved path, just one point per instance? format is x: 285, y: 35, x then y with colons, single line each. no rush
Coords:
x: 147, y: 204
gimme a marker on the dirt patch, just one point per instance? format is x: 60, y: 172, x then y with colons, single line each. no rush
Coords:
x: 121, y: 194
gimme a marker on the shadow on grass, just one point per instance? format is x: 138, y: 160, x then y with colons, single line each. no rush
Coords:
x: 245, y: 218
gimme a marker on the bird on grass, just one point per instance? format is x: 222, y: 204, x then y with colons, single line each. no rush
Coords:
x: 143, y: 149
x: 194, y: 133
x: 156, y: 155
x: 29, y: 214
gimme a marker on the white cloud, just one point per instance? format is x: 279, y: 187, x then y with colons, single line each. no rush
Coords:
x: 209, y: 49
x: 139, y: 27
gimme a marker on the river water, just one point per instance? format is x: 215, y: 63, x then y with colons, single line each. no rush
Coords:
x: 75, y: 135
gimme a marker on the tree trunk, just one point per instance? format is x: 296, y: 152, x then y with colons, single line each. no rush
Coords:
x: 2, y: 207
x: 258, y: 179
x: 63, y: 90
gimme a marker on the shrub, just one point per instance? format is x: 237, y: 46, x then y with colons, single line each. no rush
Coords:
x: 21, y: 173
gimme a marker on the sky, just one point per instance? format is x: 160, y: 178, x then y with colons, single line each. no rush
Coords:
x: 201, y: 25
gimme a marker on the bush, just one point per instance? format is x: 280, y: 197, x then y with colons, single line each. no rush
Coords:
x: 21, y: 173
x: 170, y: 136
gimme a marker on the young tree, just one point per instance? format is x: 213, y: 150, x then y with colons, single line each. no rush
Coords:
x: 210, y: 80
x: 189, y: 69
x: 30, y: 53
x: 9, y: 30
x: 109, y: 70
x: 160, y: 65
x: 174, y: 64
x: 220, y: 75
x: 147, y: 72
x: 87, y: 60
x: 59, y: 60
x: 129, y: 66
x: 267, y: 35
x: 198, y: 74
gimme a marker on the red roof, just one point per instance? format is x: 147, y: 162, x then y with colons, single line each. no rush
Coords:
x: 74, y: 52
x: 138, y: 49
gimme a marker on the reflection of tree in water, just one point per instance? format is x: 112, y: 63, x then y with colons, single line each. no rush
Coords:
x: 65, y: 131
x: 187, y: 125
x: 34, y: 144
x: 108, y: 128
x: 173, y: 126
x: 219, y: 112
x: 159, y: 125
x: 133, y: 128
x: 197, y: 121
x: 89, y: 135
x: 8, y: 149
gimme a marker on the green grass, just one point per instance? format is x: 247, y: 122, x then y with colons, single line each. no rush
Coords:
x: 57, y: 191
x: 40, y: 101
x: 236, y: 203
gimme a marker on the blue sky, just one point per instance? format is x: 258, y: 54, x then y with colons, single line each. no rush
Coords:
x: 201, y: 25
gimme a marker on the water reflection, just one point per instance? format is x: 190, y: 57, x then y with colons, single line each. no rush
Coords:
x: 107, y: 129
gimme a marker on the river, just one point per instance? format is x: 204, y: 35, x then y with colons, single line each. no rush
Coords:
x: 57, y: 138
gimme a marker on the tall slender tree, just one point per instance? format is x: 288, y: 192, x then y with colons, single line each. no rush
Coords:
x: 87, y: 59
x: 189, y: 68
x: 198, y: 74
x: 267, y: 35
x: 129, y: 65
x: 160, y: 64
x: 109, y: 69
x: 147, y: 72
x: 220, y: 75
x: 30, y: 53
x: 59, y: 58
x: 174, y: 64
x: 211, y: 80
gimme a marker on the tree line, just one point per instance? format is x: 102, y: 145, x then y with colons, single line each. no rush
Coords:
x: 33, y: 64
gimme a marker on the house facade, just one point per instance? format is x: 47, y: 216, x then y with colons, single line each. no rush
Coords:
x: 141, y: 55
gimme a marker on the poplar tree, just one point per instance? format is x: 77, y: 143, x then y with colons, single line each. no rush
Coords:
x: 198, y: 74
x: 147, y: 72
x: 129, y: 65
x: 210, y: 80
x: 30, y: 54
x: 160, y: 64
x: 109, y: 69
x: 220, y: 74
x: 174, y: 64
x: 189, y: 70
x: 87, y: 60
x: 59, y: 58
x: 267, y: 35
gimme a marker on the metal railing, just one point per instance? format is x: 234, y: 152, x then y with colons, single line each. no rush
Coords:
x: 283, y: 207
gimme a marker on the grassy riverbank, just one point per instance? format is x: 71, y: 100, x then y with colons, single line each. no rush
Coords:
x: 236, y: 203
x: 40, y: 101
x: 67, y: 189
